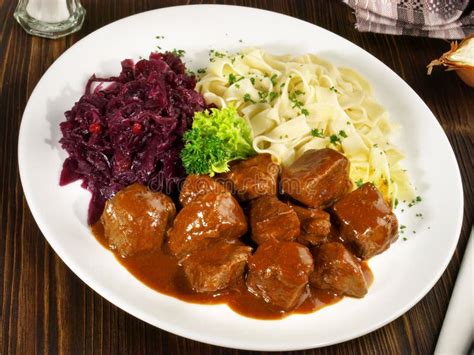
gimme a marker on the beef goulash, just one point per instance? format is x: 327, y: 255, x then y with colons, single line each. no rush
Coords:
x: 197, y: 185
x: 211, y: 217
x: 217, y: 266
x: 279, y: 273
x: 254, y: 177
x: 266, y: 240
x: 337, y: 269
x: 318, y: 178
x: 315, y: 225
x: 135, y: 220
x: 271, y: 219
x: 365, y: 221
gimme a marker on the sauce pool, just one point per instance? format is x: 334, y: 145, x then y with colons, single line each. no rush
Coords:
x: 160, y: 271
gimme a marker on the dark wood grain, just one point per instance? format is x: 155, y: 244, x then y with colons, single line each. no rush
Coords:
x: 45, y: 308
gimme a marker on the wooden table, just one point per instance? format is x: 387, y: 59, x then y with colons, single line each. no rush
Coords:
x: 46, y: 308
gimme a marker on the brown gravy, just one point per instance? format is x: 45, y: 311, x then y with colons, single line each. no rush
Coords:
x: 161, y: 272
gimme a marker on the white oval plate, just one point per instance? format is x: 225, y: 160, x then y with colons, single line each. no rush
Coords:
x: 403, y: 274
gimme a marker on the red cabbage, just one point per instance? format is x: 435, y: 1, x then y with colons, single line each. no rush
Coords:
x: 129, y: 129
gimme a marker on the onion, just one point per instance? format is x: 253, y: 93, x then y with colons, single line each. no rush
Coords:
x: 459, y: 58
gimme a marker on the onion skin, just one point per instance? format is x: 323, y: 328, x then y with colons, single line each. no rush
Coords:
x: 464, y: 71
x: 466, y: 75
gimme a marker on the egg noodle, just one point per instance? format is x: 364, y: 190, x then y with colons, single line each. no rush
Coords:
x: 296, y: 103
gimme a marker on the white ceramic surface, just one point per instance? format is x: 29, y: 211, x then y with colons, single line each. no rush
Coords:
x: 403, y: 274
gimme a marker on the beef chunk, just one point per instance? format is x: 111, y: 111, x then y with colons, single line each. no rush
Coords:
x: 217, y: 266
x: 365, y: 221
x: 254, y: 177
x: 278, y: 273
x: 271, y: 219
x: 136, y: 219
x: 318, y: 178
x: 197, y: 185
x: 336, y: 269
x: 213, y: 215
x: 315, y: 225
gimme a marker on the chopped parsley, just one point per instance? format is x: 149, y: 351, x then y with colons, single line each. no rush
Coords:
x: 343, y: 134
x: 415, y: 201
x: 263, y: 96
x: 252, y: 80
x: 240, y: 41
x: 298, y: 104
x: 178, y: 52
x: 405, y: 238
x: 419, y: 215
x: 233, y: 79
x: 272, y: 96
x: 333, y: 89
x: 334, y: 139
x: 247, y: 98
x: 359, y: 182
x: 395, y: 205
x: 216, y: 54
x: 160, y: 37
x: 273, y: 79
x: 315, y: 132
x: 201, y: 71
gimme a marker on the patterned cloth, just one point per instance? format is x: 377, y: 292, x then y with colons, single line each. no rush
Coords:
x: 450, y: 19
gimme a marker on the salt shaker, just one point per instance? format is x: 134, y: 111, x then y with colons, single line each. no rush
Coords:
x: 50, y: 18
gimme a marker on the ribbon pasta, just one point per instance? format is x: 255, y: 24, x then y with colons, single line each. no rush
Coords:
x: 296, y: 103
